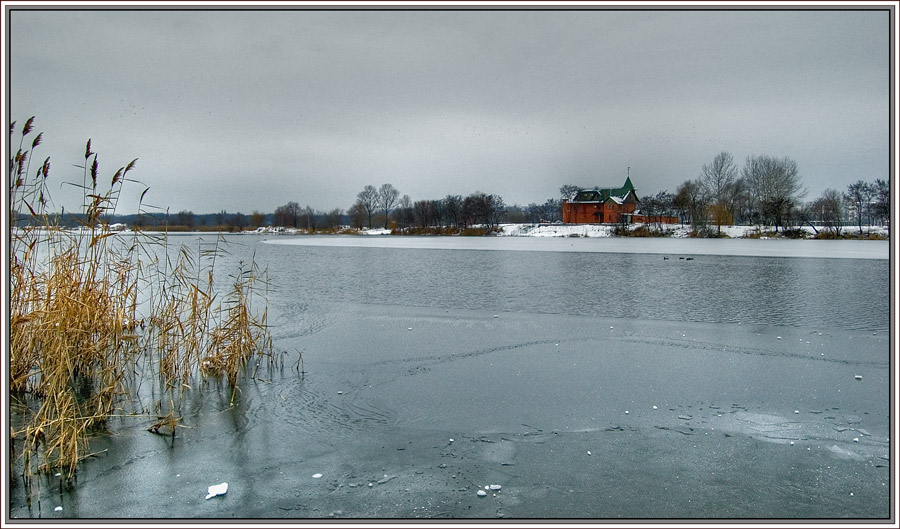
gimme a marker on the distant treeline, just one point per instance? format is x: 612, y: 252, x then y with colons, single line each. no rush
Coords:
x: 766, y: 191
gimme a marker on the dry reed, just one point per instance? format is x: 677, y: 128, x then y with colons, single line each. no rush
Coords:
x: 91, y: 311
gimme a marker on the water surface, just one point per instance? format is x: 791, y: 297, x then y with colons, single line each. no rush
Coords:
x: 588, y: 384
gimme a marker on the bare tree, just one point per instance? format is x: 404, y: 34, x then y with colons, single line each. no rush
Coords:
x: 691, y: 201
x: 436, y: 212
x: 656, y: 206
x: 420, y: 212
x: 357, y: 213
x: 828, y: 210
x: 404, y: 212
x: 238, y: 221
x: 497, y: 209
x: 368, y: 199
x: 775, y: 186
x: 257, y: 219
x: 882, y: 205
x: 185, y: 218
x: 859, y: 194
x: 387, y: 200
x: 307, y: 217
x: 738, y: 199
x: 453, y: 209
x: 288, y: 215
x: 333, y: 218
x: 717, y: 179
x: 568, y: 191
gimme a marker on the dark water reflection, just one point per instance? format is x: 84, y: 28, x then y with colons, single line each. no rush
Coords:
x: 809, y: 292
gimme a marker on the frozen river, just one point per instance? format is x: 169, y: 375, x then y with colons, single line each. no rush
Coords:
x: 589, y: 379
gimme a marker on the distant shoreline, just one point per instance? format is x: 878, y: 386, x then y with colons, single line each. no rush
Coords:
x: 546, y: 231
x: 674, y: 249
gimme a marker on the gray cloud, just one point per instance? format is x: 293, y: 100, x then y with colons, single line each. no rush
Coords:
x: 244, y: 110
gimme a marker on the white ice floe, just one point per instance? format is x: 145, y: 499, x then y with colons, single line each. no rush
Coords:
x: 217, y: 490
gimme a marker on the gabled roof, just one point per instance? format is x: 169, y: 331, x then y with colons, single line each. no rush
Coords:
x: 618, y: 194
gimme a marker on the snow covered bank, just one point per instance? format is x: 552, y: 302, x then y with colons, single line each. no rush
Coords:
x: 847, y: 249
x: 675, y: 231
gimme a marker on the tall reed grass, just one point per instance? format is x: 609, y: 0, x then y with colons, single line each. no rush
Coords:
x: 94, y: 314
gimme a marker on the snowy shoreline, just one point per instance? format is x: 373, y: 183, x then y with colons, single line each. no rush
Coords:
x: 677, y: 231
x: 598, y: 238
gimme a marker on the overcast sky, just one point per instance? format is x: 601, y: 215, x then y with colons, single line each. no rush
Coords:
x: 247, y: 110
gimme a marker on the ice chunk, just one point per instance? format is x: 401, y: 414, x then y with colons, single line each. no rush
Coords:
x: 481, y: 493
x: 217, y: 490
x: 843, y: 453
x: 317, y: 476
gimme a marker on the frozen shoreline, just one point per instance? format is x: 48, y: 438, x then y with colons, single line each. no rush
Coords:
x: 843, y: 249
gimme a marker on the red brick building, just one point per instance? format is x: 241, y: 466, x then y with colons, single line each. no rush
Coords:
x: 607, y: 206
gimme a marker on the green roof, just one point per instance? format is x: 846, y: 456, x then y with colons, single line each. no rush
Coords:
x: 603, y: 194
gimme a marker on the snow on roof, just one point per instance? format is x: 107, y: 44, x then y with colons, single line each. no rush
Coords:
x: 602, y: 194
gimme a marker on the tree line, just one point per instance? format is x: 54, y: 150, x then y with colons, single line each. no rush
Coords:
x: 389, y: 209
x: 766, y: 191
